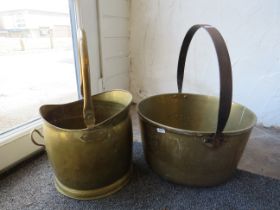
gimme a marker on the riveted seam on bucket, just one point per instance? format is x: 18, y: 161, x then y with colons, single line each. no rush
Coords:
x: 213, y: 141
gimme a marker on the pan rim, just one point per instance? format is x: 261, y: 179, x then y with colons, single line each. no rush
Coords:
x: 194, y: 132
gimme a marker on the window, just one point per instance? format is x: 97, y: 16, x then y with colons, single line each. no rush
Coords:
x: 40, y: 66
x: 36, y: 59
x: 37, y: 66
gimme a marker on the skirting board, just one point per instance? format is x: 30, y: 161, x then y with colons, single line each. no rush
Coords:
x: 17, y: 146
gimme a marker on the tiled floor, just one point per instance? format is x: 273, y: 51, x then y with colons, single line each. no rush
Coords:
x: 261, y: 155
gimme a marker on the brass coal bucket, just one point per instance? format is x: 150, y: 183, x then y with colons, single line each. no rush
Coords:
x: 89, y: 142
x: 183, y: 139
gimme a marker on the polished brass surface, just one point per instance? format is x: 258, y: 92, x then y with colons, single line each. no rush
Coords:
x: 174, y: 128
x: 88, y: 111
x: 196, y: 139
x: 89, y: 142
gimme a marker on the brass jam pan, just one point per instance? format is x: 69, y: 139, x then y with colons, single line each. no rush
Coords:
x: 183, y: 139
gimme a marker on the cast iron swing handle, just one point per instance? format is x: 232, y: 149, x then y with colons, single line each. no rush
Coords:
x: 224, y: 69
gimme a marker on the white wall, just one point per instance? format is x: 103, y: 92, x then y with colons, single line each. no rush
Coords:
x: 106, y: 23
x: 114, y: 41
x: 88, y: 20
x: 252, y: 33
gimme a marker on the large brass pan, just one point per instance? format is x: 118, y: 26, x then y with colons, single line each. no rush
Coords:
x: 183, y: 140
x: 89, y: 142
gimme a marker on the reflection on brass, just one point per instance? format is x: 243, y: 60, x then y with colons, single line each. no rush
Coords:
x: 88, y: 112
x: 89, y: 142
x: 196, y: 139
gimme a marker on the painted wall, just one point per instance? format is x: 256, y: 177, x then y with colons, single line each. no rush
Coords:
x: 87, y: 19
x: 252, y: 33
x: 106, y: 23
x: 114, y: 42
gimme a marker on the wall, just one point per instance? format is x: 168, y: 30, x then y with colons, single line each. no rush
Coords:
x: 114, y: 41
x: 107, y: 26
x: 87, y: 18
x: 252, y: 33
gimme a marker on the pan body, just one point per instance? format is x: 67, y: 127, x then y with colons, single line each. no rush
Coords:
x: 174, y: 128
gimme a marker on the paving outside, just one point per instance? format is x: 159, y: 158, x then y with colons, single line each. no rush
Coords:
x: 31, y: 79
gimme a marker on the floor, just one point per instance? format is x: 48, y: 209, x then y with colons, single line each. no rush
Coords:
x: 261, y: 155
x: 31, y: 187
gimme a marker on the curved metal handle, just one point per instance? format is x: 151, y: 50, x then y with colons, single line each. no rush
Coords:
x: 33, y: 140
x: 224, y: 69
x: 88, y: 111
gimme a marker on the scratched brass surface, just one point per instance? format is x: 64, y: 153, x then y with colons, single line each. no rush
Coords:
x: 90, y: 163
x: 174, y: 127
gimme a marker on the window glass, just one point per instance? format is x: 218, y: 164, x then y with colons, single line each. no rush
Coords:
x: 36, y: 59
